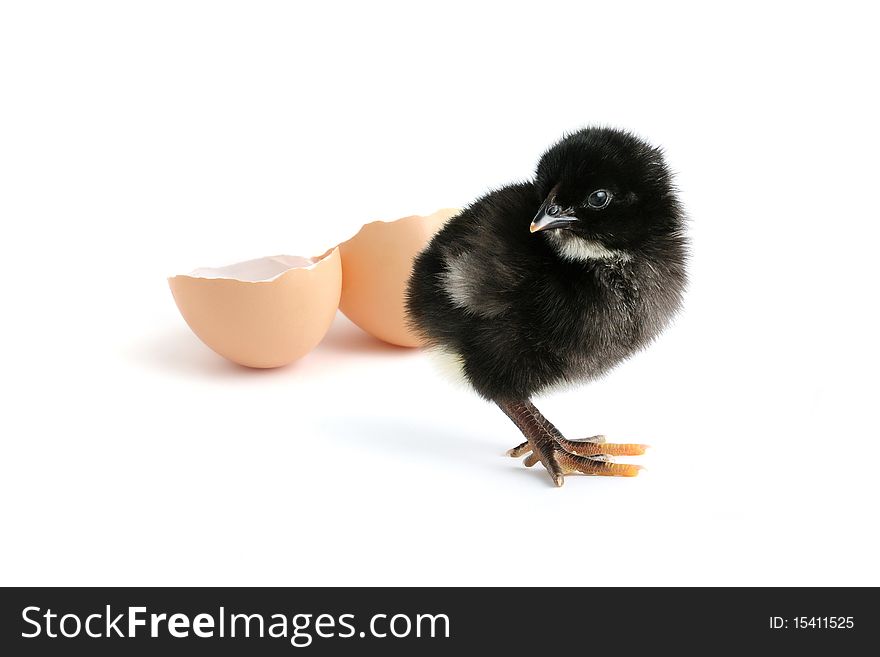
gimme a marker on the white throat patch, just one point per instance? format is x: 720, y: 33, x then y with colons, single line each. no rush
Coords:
x: 581, y: 250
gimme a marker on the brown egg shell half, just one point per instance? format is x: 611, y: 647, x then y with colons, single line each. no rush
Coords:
x: 262, y: 313
x: 376, y: 265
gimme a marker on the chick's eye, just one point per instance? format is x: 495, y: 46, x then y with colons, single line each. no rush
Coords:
x: 599, y: 199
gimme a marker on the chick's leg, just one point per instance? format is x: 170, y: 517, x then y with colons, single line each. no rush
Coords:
x: 561, y: 456
x: 539, y: 439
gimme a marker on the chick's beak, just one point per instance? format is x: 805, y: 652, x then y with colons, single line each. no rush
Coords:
x: 550, y: 216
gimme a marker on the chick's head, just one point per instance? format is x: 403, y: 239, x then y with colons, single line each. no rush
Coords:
x: 604, y: 193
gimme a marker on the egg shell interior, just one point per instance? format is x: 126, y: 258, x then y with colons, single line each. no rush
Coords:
x: 256, y: 271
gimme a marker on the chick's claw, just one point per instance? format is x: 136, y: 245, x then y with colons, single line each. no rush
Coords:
x: 588, y: 457
x: 519, y: 450
x: 602, y: 467
x: 595, y: 446
x: 589, y: 448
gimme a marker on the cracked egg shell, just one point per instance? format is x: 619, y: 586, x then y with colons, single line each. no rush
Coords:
x: 262, y: 313
x: 376, y: 264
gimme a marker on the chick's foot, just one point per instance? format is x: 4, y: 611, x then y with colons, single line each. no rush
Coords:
x: 593, y: 447
x: 560, y: 462
x: 560, y: 456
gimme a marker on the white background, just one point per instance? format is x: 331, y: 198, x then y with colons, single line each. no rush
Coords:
x: 139, y: 140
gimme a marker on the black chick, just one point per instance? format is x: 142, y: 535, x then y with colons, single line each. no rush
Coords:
x: 556, y: 281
